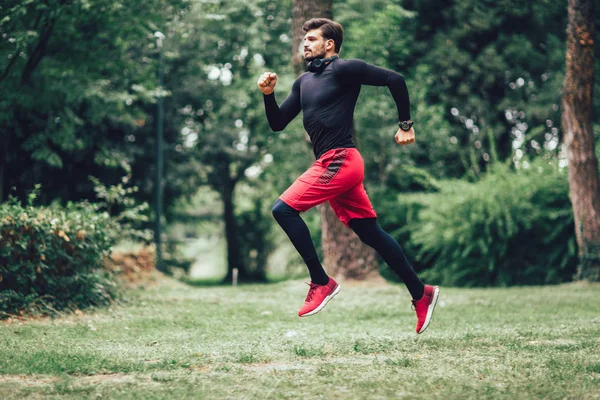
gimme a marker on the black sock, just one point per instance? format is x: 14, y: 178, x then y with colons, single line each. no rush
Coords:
x: 296, y: 229
x: 370, y: 233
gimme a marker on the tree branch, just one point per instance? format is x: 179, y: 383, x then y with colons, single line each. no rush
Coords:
x: 9, y: 66
x: 38, y: 53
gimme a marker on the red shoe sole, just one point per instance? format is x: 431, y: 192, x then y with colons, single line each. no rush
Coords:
x: 430, y: 309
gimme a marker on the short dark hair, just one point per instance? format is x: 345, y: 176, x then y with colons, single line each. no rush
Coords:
x: 330, y: 30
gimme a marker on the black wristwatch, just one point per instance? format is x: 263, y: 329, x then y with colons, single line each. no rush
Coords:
x: 405, y: 125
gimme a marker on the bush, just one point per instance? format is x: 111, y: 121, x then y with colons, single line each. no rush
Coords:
x: 509, y: 228
x: 52, y: 258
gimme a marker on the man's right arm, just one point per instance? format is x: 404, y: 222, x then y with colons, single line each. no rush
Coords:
x: 280, y: 116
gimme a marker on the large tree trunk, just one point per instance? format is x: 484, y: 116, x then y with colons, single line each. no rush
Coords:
x: 343, y: 253
x: 584, y: 188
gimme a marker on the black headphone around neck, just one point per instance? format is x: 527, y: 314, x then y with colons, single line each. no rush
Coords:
x: 318, y: 64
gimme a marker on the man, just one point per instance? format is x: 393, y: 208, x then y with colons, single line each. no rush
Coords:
x: 327, y: 94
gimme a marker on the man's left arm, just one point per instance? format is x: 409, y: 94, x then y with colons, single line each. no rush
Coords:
x: 367, y: 74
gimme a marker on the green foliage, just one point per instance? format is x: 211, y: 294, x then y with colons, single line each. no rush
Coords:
x: 509, y: 228
x: 79, y: 85
x: 122, y: 207
x: 51, y: 258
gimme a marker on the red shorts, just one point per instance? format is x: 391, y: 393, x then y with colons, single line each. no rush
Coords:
x: 337, y: 177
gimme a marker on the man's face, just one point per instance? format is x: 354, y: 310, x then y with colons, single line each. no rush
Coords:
x: 314, y: 46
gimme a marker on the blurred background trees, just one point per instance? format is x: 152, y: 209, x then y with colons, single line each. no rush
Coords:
x: 481, y: 199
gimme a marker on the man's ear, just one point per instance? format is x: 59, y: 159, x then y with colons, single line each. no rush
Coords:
x: 330, y: 44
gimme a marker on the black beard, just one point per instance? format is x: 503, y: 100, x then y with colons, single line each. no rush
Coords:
x: 311, y: 58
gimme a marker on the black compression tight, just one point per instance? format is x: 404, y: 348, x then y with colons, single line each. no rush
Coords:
x: 369, y: 232
x: 296, y: 229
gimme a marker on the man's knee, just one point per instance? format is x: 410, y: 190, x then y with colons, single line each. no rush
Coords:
x: 277, y: 209
x: 365, y: 229
x: 281, y: 210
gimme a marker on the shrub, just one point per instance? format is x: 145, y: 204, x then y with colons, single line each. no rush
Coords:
x: 52, y: 257
x: 508, y: 228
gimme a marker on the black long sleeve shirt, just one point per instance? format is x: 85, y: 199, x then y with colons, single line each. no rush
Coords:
x: 328, y: 98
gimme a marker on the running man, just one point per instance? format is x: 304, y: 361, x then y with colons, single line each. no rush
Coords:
x: 327, y: 94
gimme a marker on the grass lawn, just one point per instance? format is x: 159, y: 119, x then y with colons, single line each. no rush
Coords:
x: 175, y: 341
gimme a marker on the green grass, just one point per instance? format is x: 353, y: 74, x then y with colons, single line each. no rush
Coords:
x: 176, y: 341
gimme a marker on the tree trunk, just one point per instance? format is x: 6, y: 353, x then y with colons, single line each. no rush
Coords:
x: 1, y: 181
x: 234, y: 258
x: 343, y: 252
x: 302, y: 11
x: 584, y: 187
x: 3, y: 162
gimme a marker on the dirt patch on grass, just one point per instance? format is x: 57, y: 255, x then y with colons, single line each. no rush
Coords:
x: 106, y: 378
x: 272, y: 367
x: 313, y: 362
x: 135, y: 268
x: 28, y: 380
x: 87, y: 380
x: 553, y: 342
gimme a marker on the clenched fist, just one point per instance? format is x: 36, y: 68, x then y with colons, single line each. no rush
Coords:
x: 267, y: 81
x: 405, y: 137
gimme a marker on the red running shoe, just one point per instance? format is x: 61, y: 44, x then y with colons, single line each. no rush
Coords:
x: 317, y: 297
x: 425, y: 306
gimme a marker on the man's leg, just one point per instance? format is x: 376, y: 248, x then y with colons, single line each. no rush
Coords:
x: 355, y: 210
x: 294, y: 226
x: 424, y: 296
x: 322, y: 288
x: 370, y: 233
x: 321, y: 182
